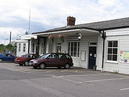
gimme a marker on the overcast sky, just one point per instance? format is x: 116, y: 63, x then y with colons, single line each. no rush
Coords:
x: 46, y: 14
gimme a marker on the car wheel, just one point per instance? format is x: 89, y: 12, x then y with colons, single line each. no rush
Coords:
x: 26, y: 63
x: 34, y: 67
x: 20, y: 64
x: 67, y: 66
x: 1, y: 60
x: 59, y: 67
x: 42, y: 66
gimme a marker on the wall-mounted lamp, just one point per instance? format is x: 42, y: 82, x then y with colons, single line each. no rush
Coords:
x: 79, y: 36
x: 103, y: 34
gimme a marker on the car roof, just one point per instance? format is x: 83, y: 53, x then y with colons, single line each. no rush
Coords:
x: 59, y: 53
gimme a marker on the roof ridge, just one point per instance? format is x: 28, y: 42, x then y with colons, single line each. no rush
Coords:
x: 104, y: 21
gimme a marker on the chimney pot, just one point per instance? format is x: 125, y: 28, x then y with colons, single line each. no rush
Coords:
x: 71, y: 21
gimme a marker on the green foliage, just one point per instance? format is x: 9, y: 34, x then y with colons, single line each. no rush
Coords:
x: 2, y: 48
x: 7, y: 48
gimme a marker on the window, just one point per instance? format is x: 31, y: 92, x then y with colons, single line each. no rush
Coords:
x: 33, y: 46
x: 73, y: 49
x: 58, y: 48
x: 19, y: 47
x: 68, y: 57
x: 24, y: 47
x: 52, y: 56
x: 112, y: 50
x: 61, y: 56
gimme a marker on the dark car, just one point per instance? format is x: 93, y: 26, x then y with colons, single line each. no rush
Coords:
x: 7, y: 57
x: 52, y: 60
x: 24, y: 59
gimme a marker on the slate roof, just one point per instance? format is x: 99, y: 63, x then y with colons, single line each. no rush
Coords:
x: 98, y: 26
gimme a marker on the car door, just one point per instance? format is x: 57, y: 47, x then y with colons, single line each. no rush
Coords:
x: 62, y: 59
x: 27, y: 58
x: 9, y: 57
x: 52, y: 60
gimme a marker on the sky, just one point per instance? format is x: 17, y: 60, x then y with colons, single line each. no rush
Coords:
x: 47, y: 14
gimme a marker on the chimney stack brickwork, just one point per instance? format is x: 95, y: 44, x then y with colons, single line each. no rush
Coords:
x: 71, y: 21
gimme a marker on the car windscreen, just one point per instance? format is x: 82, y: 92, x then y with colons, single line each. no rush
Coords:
x: 25, y: 56
x: 44, y: 56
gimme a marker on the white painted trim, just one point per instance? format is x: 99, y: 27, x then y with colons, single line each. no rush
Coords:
x: 116, y: 62
x: 123, y: 89
x: 108, y: 61
x: 67, y: 31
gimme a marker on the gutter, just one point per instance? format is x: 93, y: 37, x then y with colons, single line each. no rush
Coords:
x: 59, y: 32
x: 28, y: 46
x: 65, y: 29
x: 104, y: 37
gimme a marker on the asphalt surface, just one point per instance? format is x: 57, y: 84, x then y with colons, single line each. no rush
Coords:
x: 17, y: 81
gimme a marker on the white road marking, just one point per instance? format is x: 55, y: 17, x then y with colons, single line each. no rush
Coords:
x: 73, y: 81
x: 62, y: 77
x: 47, y: 89
x: 57, y: 76
x: 123, y: 89
x: 87, y: 75
x: 105, y: 80
x: 90, y: 81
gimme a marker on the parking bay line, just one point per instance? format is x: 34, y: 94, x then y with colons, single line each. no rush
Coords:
x: 62, y: 77
x: 86, y: 75
x: 90, y: 81
x: 105, y: 80
x: 124, y: 89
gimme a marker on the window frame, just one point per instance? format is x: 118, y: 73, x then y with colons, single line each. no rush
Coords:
x: 24, y: 47
x: 53, y: 56
x: 33, y: 47
x: 19, y: 47
x: 58, y: 47
x: 112, y: 53
x: 74, y: 52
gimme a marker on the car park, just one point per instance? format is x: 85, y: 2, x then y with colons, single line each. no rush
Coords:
x: 52, y: 60
x: 7, y: 57
x: 24, y: 59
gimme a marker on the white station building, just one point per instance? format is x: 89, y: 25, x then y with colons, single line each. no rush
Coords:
x: 24, y: 45
x: 100, y: 45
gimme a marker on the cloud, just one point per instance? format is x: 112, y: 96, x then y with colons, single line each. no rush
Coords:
x: 47, y: 14
x: 107, y: 2
x: 5, y: 32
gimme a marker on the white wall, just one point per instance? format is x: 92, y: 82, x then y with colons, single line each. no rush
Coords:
x: 33, y: 41
x: 84, y: 47
x: 99, y: 53
x: 21, y: 52
x: 117, y: 32
x: 122, y: 35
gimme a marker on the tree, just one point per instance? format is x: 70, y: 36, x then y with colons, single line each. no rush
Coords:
x: 2, y: 48
x: 7, y: 48
x: 10, y: 48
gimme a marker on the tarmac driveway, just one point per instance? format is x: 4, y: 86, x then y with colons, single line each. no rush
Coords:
x: 16, y: 81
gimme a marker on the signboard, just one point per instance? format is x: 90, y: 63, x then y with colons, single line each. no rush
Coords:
x: 124, y: 56
x: 83, y: 55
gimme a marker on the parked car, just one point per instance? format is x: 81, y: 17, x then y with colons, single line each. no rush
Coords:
x: 24, y: 59
x: 52, y: 60
x: 7, y: 57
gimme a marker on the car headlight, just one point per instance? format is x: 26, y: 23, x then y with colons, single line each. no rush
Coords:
x: 35, y: 61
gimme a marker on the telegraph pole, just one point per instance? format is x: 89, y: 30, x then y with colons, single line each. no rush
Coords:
x: 29, y: 21
x: 10, y: 38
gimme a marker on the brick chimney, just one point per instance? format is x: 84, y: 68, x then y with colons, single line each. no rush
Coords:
x: 71, y: 21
